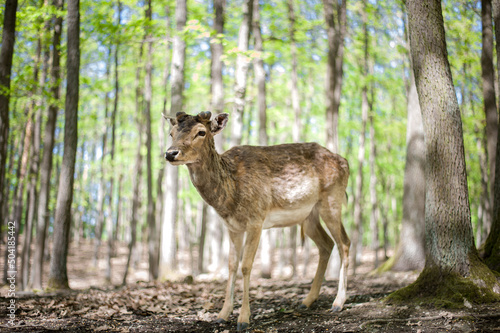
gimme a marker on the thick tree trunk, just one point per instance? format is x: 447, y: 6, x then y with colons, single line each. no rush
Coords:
x: 241, y: 73
x: 336, y: 29
x: 492, y: 245
x: 6, y: 54
x: 46, y: 165
x: 451, y: 257
x: 488, y: 78
x: 58, y: 278
x: 168, y: 253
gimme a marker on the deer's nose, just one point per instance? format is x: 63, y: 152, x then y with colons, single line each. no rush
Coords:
x: 170, y: 155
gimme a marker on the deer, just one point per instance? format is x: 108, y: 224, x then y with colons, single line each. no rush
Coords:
x: 259, y: 187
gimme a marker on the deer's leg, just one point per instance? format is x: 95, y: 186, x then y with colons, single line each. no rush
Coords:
x: 313, y: 229
x: 251, y: 245
x: 331, y: 213
x: 234, y: 258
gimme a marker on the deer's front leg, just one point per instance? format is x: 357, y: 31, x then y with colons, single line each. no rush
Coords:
x: 251, y: 245
x: 234, y: 258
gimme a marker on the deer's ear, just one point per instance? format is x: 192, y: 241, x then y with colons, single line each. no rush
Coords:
x: 172, y: 120
x: 219, y: 122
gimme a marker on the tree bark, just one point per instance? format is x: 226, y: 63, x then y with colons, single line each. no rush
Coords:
x: 492, y: 245
x: 46, y: 165
x: 168, y: 253
x: 6, y: 55
x: 336, y: 29
x: 451, y: 256
x: 241, y: 73
x: 217, y: 87
x: 488, y: 78
x: 58, y: 278
x: 150, y: 216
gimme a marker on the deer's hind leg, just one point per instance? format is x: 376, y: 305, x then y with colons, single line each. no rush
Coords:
x: 331, y: 213
x: 313, y: 229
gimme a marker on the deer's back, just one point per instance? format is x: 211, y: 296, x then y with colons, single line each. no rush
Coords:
x: 285, y: 177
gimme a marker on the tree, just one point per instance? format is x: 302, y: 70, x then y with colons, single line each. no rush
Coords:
x: 357, y: 238
x: 488, y: 78
x: 58, y: 278
x: 492, y: 245
x: 153, y: 254
x: 6, y: 54
x: 48, y: 146
x: 451, y: 257
x: 336, y: 29
x: 410, y: 251
x: 266, y: 254
x: 168, y: 243
x: 241, y: 73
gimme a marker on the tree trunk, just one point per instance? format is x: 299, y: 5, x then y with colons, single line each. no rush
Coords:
x: 451, y: 257
x: 19, y: 194
x: 6, y: 54
x: 203, y: 233
x: 101, y: 194
x: 488, y: 78
x: 153, y: 261
x: 168, y: 254
x: 336, y: 29
x: 374, y: 216
x: 492, y: 245
x: 410, y: 252
x: 217, y: 86
x: 260, y: 76
x: 135, y: 205
x: 241, y: 73
x: 357, y: 239
x: 46, y: 165
x: 34, y: 167
x: 58, y: 278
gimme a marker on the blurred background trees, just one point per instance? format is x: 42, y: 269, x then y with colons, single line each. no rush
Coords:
x: 334, y: 72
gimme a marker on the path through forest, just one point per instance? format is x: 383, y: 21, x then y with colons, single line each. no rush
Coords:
x: 191, y: 306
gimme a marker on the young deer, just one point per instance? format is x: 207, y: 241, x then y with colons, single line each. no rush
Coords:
x: 255, y: 188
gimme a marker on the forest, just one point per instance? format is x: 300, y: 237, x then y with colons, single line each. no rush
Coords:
x: 99, y: 232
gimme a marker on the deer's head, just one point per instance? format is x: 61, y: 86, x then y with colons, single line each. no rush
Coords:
x: 192, y: 136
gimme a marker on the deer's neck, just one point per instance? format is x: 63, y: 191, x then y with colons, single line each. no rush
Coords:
x: 213, y: 179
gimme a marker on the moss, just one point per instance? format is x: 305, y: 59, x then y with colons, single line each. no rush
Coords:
x: 57, y: 285
x: 451, y: 290
x: 385, y: 267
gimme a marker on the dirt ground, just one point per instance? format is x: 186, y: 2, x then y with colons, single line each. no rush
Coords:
x: 192, y: 306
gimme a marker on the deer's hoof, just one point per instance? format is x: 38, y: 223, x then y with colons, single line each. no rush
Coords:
x: 221, y: 321
x: 242, y: 326
x: 303, y: 306
x: 336, y: 308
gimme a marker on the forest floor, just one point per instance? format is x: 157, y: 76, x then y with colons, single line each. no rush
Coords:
x: 192, y: 306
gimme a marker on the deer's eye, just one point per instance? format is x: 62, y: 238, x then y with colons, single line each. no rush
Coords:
x: 201, y: 133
